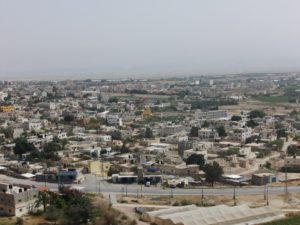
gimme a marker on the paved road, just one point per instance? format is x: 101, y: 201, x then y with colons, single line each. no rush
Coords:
x: 91, y: 185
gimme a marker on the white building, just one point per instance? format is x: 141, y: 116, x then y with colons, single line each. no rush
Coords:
x: 157, y: 148
x: 62, y: 135
x: 114, y: 120
x: 240, y: 134
x: 3, y: 96
x: 105, y: 138
x: 207, y: 134
x: 34, y: 125
x: 211, y: 115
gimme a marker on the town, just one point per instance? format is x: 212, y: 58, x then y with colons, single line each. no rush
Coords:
x: 157, y: 150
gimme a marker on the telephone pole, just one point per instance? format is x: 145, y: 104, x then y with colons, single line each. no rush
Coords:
x: 202, y: 197
x: 267, y: 195
x: 285, y: 176
x: 234, y: 195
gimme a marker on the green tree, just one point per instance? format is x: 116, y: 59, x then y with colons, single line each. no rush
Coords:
x: 221, y: 131
x: 251, y: 123
x: 43, y: 199
x: 205, y: 124
x: 148, y: 133
x: 256, y: 114
x: 252, y: 139
x: 292, y: 150
x: 268, y: 165
x: 52, y: 147
x: 53, y: 214
x: 63, y: 143
x: 50, y: 151
x: 22, y: 146
x: 79, y: 209
x: 112, y: 171
x: 69, y: 118
x: 213, y: 172
x: 236, y: 118
x: 8, y: 132
x: 281, y: 133
x: 196, y: 159
x: 19, y: 221
x: 194, y: 132
x: 113, y: 99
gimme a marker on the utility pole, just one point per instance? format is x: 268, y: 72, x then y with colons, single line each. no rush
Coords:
x: 100, y: 186
x: 126, y: 190
x: 265, y: 192
x: 267, y: 195
x: 45, y: 179
x: 285, y: 186
x: 141, y: 191
x: 202, y: 197
x: 109, y: 199
x: 59, y: 180
x: 234, y: 195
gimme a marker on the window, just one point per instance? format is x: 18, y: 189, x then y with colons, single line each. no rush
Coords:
x: 20, y: 200
x: 20, y: 210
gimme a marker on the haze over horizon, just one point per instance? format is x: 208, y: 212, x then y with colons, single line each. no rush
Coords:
x: 139, y: 38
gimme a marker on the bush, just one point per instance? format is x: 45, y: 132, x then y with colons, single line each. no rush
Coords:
x: 176, y: 204
x: 124, y: 217
x: 19, y: 221
x: 268, y: 165
x: 185, y: 202
x: 256, y: 114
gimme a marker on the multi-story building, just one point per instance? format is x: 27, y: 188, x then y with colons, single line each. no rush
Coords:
x: 292, y: 163
x: 207, y: 134
x: 179, y: 170
x: 240, y: 134
x: 34, y: 125
x: 17, y: 200
x: 166, y: 130
x: 114, y: 120
x: 7, y: 108
x: 211, y: 115
x: 105, y: 138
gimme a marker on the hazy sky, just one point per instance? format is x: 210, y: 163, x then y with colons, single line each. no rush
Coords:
x: 144, y: 37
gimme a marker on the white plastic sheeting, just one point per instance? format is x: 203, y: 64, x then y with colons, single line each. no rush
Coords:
x: 216, y: 215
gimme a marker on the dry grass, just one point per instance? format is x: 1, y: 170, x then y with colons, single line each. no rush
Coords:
x: 28, y: 220
x: 292, y: 201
